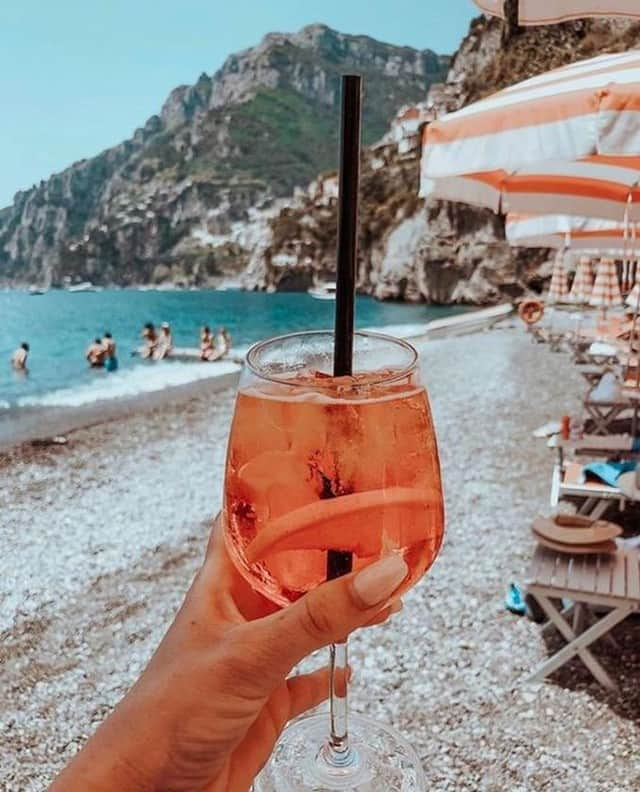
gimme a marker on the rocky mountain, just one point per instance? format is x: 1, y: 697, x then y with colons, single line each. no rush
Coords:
x: 435, y: 251
x: 176, y: 202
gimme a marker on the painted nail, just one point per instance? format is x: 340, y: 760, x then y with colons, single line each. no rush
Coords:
x: 378, y: 581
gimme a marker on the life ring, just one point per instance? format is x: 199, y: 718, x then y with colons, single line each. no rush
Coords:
x: 530, y: 311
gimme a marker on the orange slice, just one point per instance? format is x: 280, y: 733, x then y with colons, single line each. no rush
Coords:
x: 361, y: 523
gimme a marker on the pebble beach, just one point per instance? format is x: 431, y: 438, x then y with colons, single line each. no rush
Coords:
x: 101, y: 537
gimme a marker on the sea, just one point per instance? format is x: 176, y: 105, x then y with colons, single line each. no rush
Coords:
x: 59, y: 325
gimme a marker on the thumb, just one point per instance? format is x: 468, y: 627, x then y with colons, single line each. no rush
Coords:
x: 325, y: 615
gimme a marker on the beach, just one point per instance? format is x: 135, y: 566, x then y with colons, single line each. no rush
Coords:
x: 102, y: 535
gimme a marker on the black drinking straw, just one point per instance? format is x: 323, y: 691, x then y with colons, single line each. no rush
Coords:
x: 339, y: 562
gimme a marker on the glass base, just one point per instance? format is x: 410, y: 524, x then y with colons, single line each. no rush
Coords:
x: 383, y: 760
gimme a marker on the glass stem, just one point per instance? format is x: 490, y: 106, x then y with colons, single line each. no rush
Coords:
x: 338, y: 752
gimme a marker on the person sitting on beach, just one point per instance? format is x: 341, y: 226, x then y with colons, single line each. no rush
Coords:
x: 96, y: 354
x: 207, y: 348
x: 111, y: 361
x: 210, y: 705
x: 19, y: 357
x: 150, y: 340
x: 165, y: 342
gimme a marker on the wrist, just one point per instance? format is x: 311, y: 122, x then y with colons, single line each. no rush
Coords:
x: 116, y: 757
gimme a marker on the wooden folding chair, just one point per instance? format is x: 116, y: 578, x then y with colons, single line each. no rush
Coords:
x: 594, y: 496
x: 604, y: 413
x: 610, y: 581
x: 592, y: 373
x: 620, y: 446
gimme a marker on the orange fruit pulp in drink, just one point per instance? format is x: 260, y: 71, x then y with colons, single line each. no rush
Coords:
x: 318, y: 463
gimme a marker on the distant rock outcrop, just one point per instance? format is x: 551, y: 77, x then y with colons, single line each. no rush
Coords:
x: 434, y: 251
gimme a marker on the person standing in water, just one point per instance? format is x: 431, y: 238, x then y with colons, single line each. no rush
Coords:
x: 19, y: 357
x: 96, y: 354
x: 207, y: 348
x: 223, y: 342
x: 111, y: 361
x: 150, y: 340
x: 165, y: 342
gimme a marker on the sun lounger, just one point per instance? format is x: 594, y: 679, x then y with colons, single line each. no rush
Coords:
x: 594, y: 497
x: 609, y: 581
x: 579, y: 348
x: 620, y: 446
x: 604, y: 413
x: 592, y: 373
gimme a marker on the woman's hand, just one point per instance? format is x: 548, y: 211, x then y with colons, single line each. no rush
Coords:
x: 208, y: 709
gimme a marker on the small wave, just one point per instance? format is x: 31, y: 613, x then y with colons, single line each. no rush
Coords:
x: 130, y: 382
x: 4, y: 405
x: 401, y: 330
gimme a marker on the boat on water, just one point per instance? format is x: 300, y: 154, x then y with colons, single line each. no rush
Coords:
x: 34, y: 290
x: 323, y: 291
x: 85, y: 286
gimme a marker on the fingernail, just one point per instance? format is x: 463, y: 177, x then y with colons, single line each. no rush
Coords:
x: 396, y: 607
x: 378, y: 581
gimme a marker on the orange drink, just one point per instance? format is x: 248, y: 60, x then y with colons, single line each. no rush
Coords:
x: 319, y: 463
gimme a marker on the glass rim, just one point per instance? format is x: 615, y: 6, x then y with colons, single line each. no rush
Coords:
x: 396, y: 375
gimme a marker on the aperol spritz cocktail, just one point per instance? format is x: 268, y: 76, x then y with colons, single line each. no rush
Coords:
x: 319, y: 463
x: 325, y: 474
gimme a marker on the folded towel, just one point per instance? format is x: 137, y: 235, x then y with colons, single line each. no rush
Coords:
x: 608, y: 472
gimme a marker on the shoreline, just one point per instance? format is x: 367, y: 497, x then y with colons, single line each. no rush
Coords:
x: 39, y: 425
x: 32, y: 424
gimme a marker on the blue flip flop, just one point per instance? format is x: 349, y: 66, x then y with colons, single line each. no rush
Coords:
x: 514, y: 600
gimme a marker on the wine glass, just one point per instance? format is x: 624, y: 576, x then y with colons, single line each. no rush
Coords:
x: 327, y: 474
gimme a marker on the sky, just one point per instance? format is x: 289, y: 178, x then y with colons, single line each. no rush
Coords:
x: 77, y: 77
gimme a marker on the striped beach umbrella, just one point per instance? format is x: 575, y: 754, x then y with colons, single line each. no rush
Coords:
x: 549, y: 12
x: 606, y: 290
x: 632, y: 300
x: 526, y: 226
x: 580, y: 110
x: 582, y: 285
x: 559, y: 288
x: 602, y: 186
x: 613, y: 239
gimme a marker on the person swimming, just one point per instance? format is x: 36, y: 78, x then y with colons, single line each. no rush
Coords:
x: 96, y: 354
x: 150, y: 340
x: 111, y: 361
x: 19, y: 357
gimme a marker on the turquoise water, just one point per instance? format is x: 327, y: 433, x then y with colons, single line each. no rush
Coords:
x: 59, y: 326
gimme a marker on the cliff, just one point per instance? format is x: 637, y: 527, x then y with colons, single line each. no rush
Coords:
x: 162, y: 206
x: 434, y: 251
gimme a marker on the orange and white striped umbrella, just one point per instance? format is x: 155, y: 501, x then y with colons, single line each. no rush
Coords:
x: 594, y: 236
x: 632, y: 300
x: 606, y: 290
x: 549, y: 12
x: 559, y: 288
x: 582, y: 285
x: 586, y: 108
x: 526, y: 226
x: 603, y: 186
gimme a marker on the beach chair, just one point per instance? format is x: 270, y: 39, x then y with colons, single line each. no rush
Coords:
x: 613, y: 446
x: 604, y: 413
x: 601, y: 353
x: 593, y: 497
x: 588, y: 581
x: 592, y: 373
x: 579, y: 348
